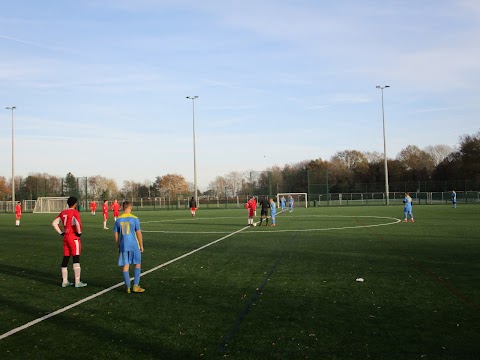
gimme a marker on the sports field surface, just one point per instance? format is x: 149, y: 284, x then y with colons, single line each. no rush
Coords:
x: 216, y: 288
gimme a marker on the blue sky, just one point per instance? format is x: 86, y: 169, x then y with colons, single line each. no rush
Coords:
x: 100, y: 85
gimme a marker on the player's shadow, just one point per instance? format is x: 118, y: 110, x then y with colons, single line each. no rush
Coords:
x: 30, y: 274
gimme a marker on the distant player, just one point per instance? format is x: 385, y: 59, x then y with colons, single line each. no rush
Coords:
x: 264, y: 205
x: 93, y: 207
x: 250, y: 206
x: 283, y: 203
x: 454, y: 199
x: 192, y: 204
x: 18, y: 213
x: 128, y: 237
x: 116, y: 209
x: 408, y: 208
x: 105, y: 214
x: 290, y: 203
x: 254, y: 204
x: 72, y: 246
x: 273, y: 211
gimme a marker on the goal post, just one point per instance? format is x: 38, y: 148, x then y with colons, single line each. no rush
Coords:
x: 299, y: 199
x: 50, y: 205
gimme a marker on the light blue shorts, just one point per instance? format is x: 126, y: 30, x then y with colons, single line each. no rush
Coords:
x: 130, y: 257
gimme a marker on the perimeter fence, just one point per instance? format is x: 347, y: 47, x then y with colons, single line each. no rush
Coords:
x: 321, y: 190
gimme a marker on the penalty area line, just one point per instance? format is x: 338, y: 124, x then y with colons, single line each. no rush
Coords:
x: 104, y: 291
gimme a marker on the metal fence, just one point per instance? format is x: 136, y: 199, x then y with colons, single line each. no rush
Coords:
x: 395, y: 198
x: 238, y: 202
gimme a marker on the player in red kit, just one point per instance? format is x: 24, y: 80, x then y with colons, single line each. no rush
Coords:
x: 18, y: 213
x: 254, y: 204
x: 93, y: 207
x: 251, y: 211
x: 116, y: 209
x: 105, y: 214
x: 72, y: 246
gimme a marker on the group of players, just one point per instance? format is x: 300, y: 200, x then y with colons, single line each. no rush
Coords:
x: 265, y: 205
x: 127, y: 235
x: 115, y: 207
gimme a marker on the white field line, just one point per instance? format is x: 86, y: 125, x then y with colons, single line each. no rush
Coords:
x: 395, y: 221
x: 104, y: 291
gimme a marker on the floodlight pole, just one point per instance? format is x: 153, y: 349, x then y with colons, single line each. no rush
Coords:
x: 13, y: 159
x: 194, y: 149
x: 387, y: 195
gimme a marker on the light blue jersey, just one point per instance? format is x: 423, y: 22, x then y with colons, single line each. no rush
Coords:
x: 408, y: 208
x: 273, y: 212
x: 126, y: 226
x: 283, y: 201
x: 290, y: 203
x: 408, y: 202
x: 454, y: 199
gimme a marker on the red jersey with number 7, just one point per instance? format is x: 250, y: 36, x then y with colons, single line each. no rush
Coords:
x: 70, y: 219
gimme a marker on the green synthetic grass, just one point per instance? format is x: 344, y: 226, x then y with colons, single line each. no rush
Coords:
x: 258, y: 294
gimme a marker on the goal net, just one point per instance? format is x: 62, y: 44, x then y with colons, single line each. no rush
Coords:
x: 50, y: 204
x: 299, y: 199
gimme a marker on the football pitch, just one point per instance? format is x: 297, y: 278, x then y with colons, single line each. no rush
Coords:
x: 216, y: 288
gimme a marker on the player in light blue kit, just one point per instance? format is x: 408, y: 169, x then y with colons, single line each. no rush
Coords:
x: 283, y: 202
x: 454, y: 199
x: 273, y: 212
x: 290, y: 203
x: 128, y: 237
x: 408, y: 208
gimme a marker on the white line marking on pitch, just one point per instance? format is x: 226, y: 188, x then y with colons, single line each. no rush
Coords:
x: 104, y: 291
x: 396, y: 221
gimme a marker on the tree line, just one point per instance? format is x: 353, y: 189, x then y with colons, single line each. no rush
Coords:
x: 346, y: 169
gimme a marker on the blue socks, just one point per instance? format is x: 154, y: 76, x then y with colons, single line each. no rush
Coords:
x: 126, y: 279
x: 136, y: 276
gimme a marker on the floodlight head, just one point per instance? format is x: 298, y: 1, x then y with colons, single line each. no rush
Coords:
x: 378, y: 86
x: 387, y: 86
x: 11, y: 107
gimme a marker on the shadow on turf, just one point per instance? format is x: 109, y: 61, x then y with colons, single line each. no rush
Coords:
x: 47, y: 278
x: 125, y: 343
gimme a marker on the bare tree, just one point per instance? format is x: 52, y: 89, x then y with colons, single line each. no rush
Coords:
x: 234, y: 181
x: 438, y: 152
x: 217, y: 186
x: 101, y: 187
x: 373, y: 157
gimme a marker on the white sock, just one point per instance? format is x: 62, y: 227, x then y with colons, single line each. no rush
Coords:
x: 76, y: 271
x: 64, y: 275
x: 17, y: 222
x: 104, y: 224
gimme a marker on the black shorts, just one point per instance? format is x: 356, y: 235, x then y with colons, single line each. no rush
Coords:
x: 264, y: 212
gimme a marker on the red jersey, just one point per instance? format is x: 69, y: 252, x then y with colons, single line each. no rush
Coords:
x: 250, y: 207
x: 70, y: 219
x: 94, y: 205
x: 253, y: 204
x: 18, y: 211
x: 105, y: 211
x: 116, y: 209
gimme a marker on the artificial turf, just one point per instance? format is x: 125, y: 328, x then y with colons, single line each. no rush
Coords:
x: 261, y: 293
